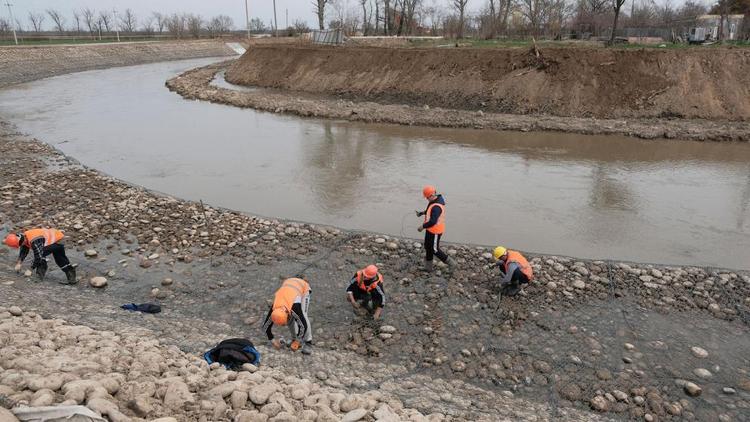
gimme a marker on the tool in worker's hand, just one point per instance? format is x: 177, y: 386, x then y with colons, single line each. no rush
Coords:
x: 295, y: 345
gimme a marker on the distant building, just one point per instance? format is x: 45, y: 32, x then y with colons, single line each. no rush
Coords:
x: 709, y: 25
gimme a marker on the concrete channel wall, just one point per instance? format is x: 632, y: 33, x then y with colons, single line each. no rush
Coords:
x: 28, y: 63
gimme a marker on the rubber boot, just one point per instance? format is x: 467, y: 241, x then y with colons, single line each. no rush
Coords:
x: 41, y: 269
x: 428, y: 266
x: 70, y: 274
x: 512, y: 288
x: 307, y: 348
x: 451, y: 262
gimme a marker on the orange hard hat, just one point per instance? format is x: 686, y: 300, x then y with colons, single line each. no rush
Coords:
x: 371, y: 271
x: 279, y: 316
x: 11, y: 240
x: 428, y: 191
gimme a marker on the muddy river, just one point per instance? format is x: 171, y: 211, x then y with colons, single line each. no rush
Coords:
x: 659, y: 201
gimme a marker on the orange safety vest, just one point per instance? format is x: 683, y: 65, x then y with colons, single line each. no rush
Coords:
x: 372, y: 286
x: 290, y: 289
x: 516, y: 257
x: 51, y: 236
x: 439, y: 227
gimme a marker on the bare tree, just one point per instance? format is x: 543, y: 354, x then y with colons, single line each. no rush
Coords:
x: 460, y: 6
x: 105, y: 20
x: 320, y: 9
x: 5, y: 26
x: 58, y: 19
x: 195, y: 25
x: 616, y: 5
x: 219, y: 25
x: 365, y: 20
x: 128, y: 21
x: 160, y: 20
x: 77, y: 20
x: 147, y: 25
x: 301, y: 26
x: 176, y: 25
x: 90, y: 19
x: 257, y: 25
x: 36, y: 20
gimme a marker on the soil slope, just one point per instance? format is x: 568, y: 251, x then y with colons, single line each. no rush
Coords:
x: 24, y: 64
x: 580, y: 82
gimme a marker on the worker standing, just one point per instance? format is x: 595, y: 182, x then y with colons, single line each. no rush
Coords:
x: 366, y: 289
x: 514, y: 269
x: 42, y: 242
x: 290, y: 306
x: 434, y: 226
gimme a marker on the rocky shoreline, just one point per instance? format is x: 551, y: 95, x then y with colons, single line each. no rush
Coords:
x: 196, y: 84
x: 588, y: 340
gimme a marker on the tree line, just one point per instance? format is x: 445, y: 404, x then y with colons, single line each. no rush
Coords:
x: 546, y: 18
x: 95, y: 23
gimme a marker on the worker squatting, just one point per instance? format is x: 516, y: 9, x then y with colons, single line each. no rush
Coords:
x: 291, y: 301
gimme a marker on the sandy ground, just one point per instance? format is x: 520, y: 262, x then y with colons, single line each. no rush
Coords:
x: 586, y: 341
x: 195, y: 84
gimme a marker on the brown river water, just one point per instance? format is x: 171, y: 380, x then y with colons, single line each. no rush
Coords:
x: 661, y: 201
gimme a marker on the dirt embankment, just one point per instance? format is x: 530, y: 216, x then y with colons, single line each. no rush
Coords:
x: 580, y: 82
x: 23, y: 64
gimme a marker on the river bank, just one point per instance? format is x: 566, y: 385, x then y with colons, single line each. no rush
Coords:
x: 28, y: 63
x: 582, y: 335
x: 196, y: 84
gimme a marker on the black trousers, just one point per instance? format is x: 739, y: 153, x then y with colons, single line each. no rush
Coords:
x: 432, y: 247
x: 518, y: 277
x: 57, y: 250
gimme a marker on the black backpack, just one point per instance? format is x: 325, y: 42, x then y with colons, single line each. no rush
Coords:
x: 233, y: 353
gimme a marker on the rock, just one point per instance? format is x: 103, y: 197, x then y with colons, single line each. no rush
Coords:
x: 542, y: 366
x: 15, y: 311
x: 271, y: 409
x: 729, y: 390
x: 603, y: 374
x: 552, y: 285
x: 238, y: 399
x: 27, y: 273
x: 7, y: 416
x: 260, y: 393
x: 702, y: 373
x: 42, y: 398
x: 321, y: 375
x: 249, y: 367
x: 167, y: 419
x: 98, y: 281
x: 166, y: 282
x: 388, y: 329
x: 579, y: 284
x: 600, y: 404
x: 620, y: 395
x: 571, y: 392
x: 692, y: 389
x: 458, y: 366
x: 384, y: 413
x: 90, y: 253
x: 699, y: 352
x: 354, y: 415
x: 177, y: 395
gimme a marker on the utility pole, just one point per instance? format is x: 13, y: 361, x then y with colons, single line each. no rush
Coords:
x: 247, y: 19
x: 117, y: 28
x: 12, y: 22
x: 275, y: 24
x: 287, y: 18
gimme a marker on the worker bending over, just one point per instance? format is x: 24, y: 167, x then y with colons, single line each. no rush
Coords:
x: 434, y: 224
x: 42, y: 242
x: 514, y: 270
x: 366, y: 289
x: 290, y: 305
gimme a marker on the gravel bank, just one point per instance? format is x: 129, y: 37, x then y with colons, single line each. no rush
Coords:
x: 614, y: 338
x: 195, y: 84
x: 23, y: 64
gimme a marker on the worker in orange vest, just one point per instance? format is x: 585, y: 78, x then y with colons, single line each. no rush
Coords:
x: 366, y: 289
x: 290, y: 306
x: 42, y: 242
x: 514, y: 268
x: 434, y: 224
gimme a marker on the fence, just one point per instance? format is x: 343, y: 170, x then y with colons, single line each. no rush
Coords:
x: 331, y: 37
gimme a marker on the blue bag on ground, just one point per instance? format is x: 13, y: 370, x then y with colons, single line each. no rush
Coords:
x: 148, y: 308
x: 233, y: 353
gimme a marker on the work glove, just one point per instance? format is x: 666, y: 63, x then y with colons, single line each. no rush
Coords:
x: 276, y: 343
x: 420, y: 228
x: 295, y: 345
x: 17, y: 267
x: 420, y: 213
